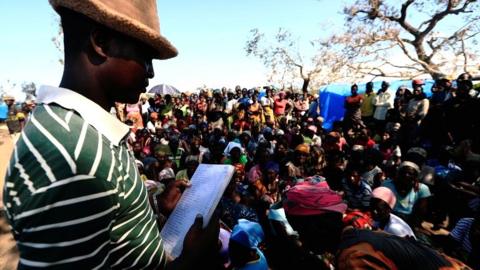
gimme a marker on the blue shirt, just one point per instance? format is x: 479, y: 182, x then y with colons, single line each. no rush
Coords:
x: 312, y: 110
x: 405, y: 204
x: 357, y: 197
x: 259, y: 264
x: 3, y: 111
x: 245, y: 101
x: 461, y: 233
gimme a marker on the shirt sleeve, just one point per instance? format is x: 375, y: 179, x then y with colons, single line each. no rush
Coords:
x: 424, y: 191
x: 461, y: 229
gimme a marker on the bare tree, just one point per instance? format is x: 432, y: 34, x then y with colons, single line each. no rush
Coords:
x: 7, y: 87
x: 383, y: 40
x: 29, y: 89
x: 287, y: 64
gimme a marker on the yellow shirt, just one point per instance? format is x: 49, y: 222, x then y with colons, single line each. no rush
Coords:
x: 367, y: 106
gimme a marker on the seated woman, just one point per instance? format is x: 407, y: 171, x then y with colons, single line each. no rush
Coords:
x: 297, y: 167
x: 315, y: 212
x: 411, y: 195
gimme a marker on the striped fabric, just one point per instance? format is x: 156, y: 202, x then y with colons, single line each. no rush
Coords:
x: 75, y: 199
x: 461, y: 233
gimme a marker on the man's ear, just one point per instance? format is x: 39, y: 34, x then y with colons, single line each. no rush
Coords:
x: 100, y: 42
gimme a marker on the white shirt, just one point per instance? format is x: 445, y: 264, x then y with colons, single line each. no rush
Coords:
x: 382, y: 102
x: 266, y: 101
x: 398, y: 227
x: 151, y: 127
x: 145, y: 107
x: 91, y: 112
x: 230, y: 105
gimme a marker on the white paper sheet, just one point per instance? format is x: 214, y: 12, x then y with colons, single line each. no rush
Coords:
x: 208, y: 184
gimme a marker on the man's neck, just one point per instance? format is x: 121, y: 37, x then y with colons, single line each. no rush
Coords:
x: 79, y: 78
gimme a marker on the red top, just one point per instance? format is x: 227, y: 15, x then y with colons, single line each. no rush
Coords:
x: 279, y: 106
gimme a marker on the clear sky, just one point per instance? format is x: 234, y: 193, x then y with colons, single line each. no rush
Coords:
x: 209, y: 34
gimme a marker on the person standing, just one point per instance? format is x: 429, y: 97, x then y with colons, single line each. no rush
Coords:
x: 416, y: 111
x: 382, y: 102
x: 367, y: 107
x: 279, y: 105
x: 73, y: 192
x: 267, y: 104
x: 3, y: 110
x: 353, y: 114
x: 13, y: 121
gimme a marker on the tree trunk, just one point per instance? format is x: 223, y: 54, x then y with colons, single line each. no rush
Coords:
x: 306, y: 81
x: 437, y: 75
x: 427, y: 64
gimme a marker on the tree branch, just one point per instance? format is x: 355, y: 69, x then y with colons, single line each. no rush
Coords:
x: 440, y: 15
x: 388, y: 62
x: 402, y: 46
x: 465, y: 58
x: 402, y: 19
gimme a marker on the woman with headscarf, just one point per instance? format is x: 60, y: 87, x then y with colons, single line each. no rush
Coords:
x: 411, y: 195
x: 315, y: 212
x: 297, y: 168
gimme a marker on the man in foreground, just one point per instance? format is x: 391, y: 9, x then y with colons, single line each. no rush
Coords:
x: 73, y: 194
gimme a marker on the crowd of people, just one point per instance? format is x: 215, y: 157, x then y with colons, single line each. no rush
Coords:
x: 13, y: 115
x: 394, y: 185
x: 399, y: 162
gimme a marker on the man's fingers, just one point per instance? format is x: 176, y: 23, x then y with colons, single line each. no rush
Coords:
x: 198, y: 223
x: 213, y: 227
x: 182, y: 183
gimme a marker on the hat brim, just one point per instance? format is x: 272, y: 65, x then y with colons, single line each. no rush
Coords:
x: 121, y: 23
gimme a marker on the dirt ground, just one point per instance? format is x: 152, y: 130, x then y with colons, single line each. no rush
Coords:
x: 8, y: 249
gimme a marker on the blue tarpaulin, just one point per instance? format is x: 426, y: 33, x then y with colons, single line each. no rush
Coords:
x: 332, y: 97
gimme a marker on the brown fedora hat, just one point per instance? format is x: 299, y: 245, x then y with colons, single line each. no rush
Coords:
x: 134, y: 18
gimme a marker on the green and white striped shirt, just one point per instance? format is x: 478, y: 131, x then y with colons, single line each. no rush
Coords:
x: 73, y: 194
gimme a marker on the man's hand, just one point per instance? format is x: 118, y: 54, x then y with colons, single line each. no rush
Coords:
x: 201, y: 241
x: 199, y: 246
x: 170, y: 197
